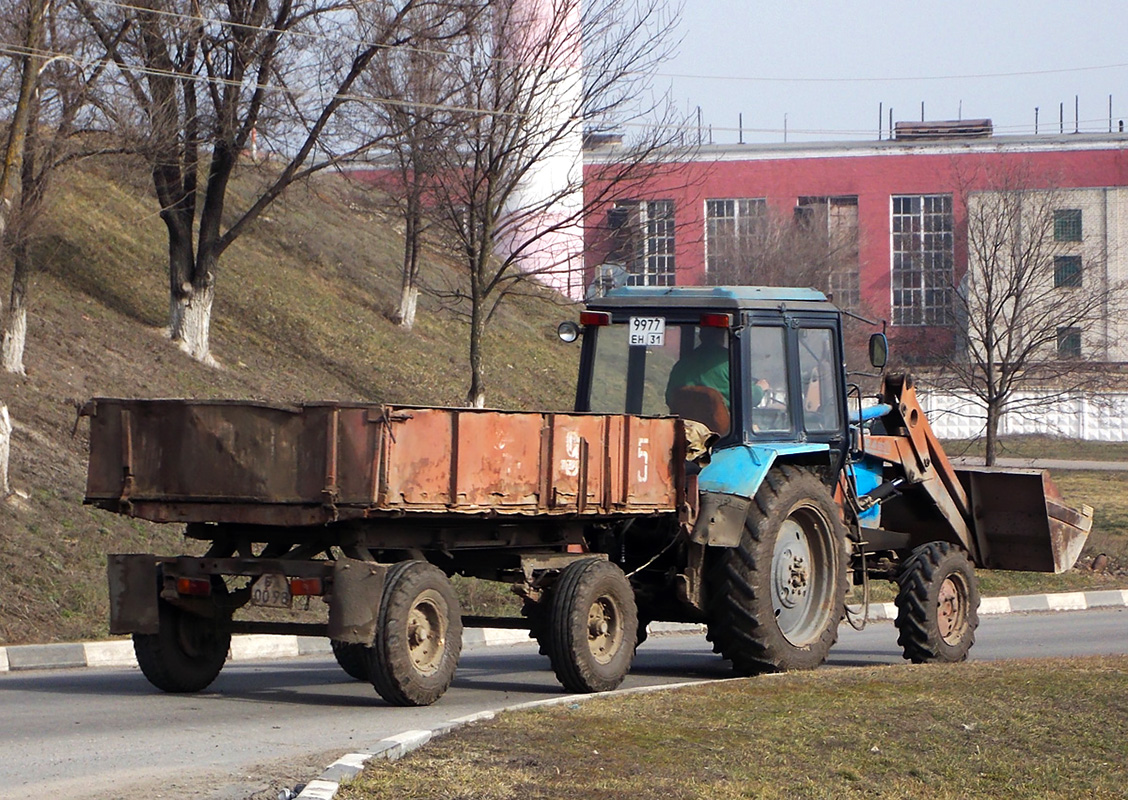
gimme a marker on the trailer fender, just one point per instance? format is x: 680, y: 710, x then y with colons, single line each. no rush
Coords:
x: 354, y: 605
x: 134, y: 591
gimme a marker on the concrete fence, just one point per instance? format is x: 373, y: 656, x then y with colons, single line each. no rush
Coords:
x: 1098, y: 417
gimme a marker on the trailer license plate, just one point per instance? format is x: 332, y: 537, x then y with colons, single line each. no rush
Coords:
x: 271, y: 591
x: 648, y: 331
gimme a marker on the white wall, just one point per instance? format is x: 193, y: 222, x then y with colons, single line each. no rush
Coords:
x: 1098, y: 417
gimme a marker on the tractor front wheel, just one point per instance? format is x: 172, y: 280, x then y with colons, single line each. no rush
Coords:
x: 937, y: 604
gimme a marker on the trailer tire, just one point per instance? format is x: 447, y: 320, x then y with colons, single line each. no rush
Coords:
x: 937, y: 604
x: 774, y: 602
x: 352, y: 658
x: 186, y: 653
x: 593, y: 626
x: 418, y: 636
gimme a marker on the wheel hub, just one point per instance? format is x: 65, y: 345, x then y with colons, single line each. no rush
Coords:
x: 950, y: 610
x: 604, y: 631
x: 426, y: 634
x: 792, y: 577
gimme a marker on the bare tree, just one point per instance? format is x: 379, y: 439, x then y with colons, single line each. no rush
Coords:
x: 1033, y: 306
x: 52, y: 124
x: 416, y: 92
x: 509, y: 189
x: 199, y: 79
x: 811, y: 247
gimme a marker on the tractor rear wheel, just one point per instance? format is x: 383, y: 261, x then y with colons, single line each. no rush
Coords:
x: 776, y: 599
x: 937, y: 604
x: 592, y: 626
x: 418, y: 636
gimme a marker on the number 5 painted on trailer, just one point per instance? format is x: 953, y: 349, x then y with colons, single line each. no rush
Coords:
x: 644, y: 457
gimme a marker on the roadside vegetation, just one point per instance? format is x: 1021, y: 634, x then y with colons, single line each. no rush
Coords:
x: 1018, y: 729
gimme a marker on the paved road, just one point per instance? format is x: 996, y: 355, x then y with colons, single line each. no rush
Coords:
x: 105, y: 733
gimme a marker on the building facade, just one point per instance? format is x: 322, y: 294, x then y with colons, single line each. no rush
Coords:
x: 892, y: 217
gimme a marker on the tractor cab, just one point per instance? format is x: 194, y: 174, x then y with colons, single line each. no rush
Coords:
x: 755, y: 365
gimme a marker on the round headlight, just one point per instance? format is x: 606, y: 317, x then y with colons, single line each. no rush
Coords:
x: 568, y: 331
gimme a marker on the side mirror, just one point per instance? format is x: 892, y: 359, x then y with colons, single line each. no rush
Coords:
x: 568, y: 331
x: 878, y: 350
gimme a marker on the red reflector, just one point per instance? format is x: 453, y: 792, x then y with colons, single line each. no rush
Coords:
x: 575, y: 548
x: 595, y: 318
x: 193, y: 587
x: 306, y: 586
x: 716, y: 321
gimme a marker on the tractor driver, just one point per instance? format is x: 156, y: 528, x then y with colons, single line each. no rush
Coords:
x: 699, y: 386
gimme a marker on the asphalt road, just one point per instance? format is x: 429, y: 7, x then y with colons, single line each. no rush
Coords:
x: 105, y: 733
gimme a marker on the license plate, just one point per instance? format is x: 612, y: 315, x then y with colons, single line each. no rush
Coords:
x: 647, y: 331
x: 271, y: 591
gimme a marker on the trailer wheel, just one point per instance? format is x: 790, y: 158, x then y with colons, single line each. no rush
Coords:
x: 937, y: 604
x: 776, y: 599
x: 593, y: 626
x: 418, y: 636
x: 352, y: 658
x: 186, y: 653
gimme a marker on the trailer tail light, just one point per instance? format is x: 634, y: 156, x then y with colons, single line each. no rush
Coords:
x: 716, y: 321
x: 595, y: 318
x: 193, y: 587
x: 306, y: 586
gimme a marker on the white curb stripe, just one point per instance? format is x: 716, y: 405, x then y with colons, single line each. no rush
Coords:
x: 263, y: 645
x: 117, y: 653
x: 3, y: 659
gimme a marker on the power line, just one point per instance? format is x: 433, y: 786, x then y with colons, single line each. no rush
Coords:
x: 897, y: 79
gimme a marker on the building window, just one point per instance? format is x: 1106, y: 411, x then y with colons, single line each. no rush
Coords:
x: 1069, y: 343
x: 922, y: 259
x: 1067, y: 225
x: 644, y: 240
x: 1067, y: 271
x: 837, y: 219
x: 730, y: 226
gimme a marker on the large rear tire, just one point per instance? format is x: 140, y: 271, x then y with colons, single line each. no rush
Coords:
x: 937, y: 604
x: 418, y: 636
x: 776, y: 599
x: 186, y: 653
x: 592, y: 626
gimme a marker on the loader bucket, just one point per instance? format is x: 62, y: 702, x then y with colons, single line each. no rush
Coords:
x: 1020, y: 521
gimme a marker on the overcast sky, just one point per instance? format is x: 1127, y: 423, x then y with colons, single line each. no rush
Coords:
x: 827, y: 65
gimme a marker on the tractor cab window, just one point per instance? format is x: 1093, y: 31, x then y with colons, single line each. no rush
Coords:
x: 767, y: 375
x: 681, y: 369
x: 818, y: 368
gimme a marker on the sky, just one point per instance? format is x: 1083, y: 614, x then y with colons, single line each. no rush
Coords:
x: 822, y: 68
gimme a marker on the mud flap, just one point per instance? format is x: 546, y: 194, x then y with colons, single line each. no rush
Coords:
x: 720, y: 519
x: 133, y: 593
x: 355, y: 603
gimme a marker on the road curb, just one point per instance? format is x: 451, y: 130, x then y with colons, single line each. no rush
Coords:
x: 251, y: 647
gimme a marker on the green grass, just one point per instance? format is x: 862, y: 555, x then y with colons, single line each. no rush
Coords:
x: 1048, y: 729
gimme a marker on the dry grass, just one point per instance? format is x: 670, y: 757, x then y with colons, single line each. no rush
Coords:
x: 1047, y: 729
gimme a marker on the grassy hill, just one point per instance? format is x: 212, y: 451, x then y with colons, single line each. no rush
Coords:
x: 301, y: 314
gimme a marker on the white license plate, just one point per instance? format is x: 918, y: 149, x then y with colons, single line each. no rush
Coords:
x: 647, y: 331
x: 271, y: 591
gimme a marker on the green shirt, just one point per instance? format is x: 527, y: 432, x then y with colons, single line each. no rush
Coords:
x: 707, y: 365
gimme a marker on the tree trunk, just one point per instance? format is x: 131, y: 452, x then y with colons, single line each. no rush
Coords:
x: 191, y: 314
x: 476, y: 396
x: 15, y: 322
x: 409, y: 301
x: 993, y: 417
x: 5, y: 450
